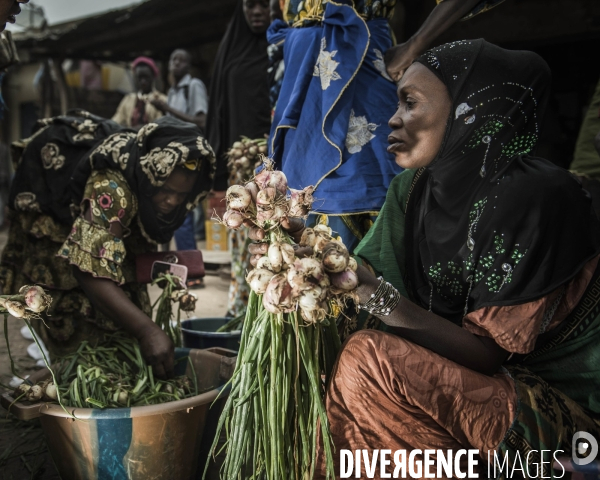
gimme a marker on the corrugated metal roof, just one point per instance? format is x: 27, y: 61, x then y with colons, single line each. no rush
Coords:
x: 154, y: 27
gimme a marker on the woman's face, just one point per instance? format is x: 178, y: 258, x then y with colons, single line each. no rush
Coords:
x: 174, y: 192
x: 144, y: 78
x: 257, y: 15
x: 419, y: 124
x: 9, y: 9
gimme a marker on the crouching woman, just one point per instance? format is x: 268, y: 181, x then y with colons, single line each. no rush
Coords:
x: 88, y: 196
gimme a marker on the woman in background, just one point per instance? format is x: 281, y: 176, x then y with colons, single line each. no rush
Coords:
x: 239, y: 106
x: 136, y: 109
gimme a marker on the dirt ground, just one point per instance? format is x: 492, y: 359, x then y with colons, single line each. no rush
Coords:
x: 23, y: 453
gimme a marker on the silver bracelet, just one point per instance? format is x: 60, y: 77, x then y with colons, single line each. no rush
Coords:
x: 385, y: 299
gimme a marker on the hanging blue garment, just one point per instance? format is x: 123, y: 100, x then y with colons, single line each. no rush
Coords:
x: 331, y: 122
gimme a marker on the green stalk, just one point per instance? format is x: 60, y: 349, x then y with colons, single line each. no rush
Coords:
x: 12, y: 363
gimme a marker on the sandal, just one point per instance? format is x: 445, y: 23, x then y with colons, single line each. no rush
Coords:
x: 195, y: 284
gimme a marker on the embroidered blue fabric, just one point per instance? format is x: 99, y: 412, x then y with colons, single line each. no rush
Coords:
x: 331, y: 122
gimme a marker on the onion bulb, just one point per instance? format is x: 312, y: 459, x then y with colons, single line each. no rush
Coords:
x: 275, y: 256
x: 238, y: 145
x: 272, y: 179
x: 35, y: 393
x: 335, y: 257
x: 16, y: 309
x: 346, y: 280
x: 304, y: 274
x: 233, y: 219
x: 288, y: 254
x: 263, y: 263
x: 321, y: 240
x: 264, y: 215
x: 36, y: 298
x: 21, y: 390
x: 259, y: 279
x: 314, y: 315
x: 266, y: 197
x: 278, y: 295
x: 253, y: 190
x: 301, y: 202
x: 310, y: 298
x: 238, y: 198
x: 308, y: 238
x: 187, y: 302
x: 352, y: 264
x: 51, y: 391
x: 242, y: 162
x: 323, y: 228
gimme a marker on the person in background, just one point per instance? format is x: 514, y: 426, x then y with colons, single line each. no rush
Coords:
x: 347, y: 98
x: 443, y: 16
x: 275, y: 51
x: 136, y: 109
x: 239, y: 105
x: 9, y: 9
x: 188, y: 101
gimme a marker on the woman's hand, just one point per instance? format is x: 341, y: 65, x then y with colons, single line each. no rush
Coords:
x: 400, y: 57
x: 111, y: 300
x: 160, y: 105
x: 294, y: 226
x: 157, y: 349
x: 367, y: 284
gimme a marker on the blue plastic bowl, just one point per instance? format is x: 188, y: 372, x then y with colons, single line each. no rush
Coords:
x: 202, y: 333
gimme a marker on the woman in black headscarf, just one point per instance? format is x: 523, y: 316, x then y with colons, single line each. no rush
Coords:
x: 88, y: 197
x: 489, y: 332
x: 239, y: 106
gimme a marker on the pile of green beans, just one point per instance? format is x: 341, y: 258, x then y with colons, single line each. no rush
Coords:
x: 276, y: 403
x: 114, y: 375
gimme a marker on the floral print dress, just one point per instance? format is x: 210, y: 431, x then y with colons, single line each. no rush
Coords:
x: 43, y: 251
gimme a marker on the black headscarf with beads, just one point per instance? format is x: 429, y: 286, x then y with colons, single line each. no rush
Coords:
x: 488, y: 223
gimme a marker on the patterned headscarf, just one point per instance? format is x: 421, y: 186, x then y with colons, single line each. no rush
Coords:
x: 488, y: 223
x: 54, y: 165
x: 147, y: 159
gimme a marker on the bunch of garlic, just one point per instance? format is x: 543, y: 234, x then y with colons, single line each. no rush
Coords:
x: 288, y: 283
x: 243, y: 158
x: 265, y: 201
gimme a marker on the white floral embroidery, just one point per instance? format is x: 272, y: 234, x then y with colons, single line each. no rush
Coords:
x: 380, y: 65
x: 462, y: 109
x: 27, y: 202
x: 145, y: 132
x: 160, y: 162
x: 113, y: 146
x: 359, y: 133
x: 326, y: 65
x: 51, y: 157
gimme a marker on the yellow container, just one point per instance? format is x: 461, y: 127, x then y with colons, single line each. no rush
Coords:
x: 217, y: 236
